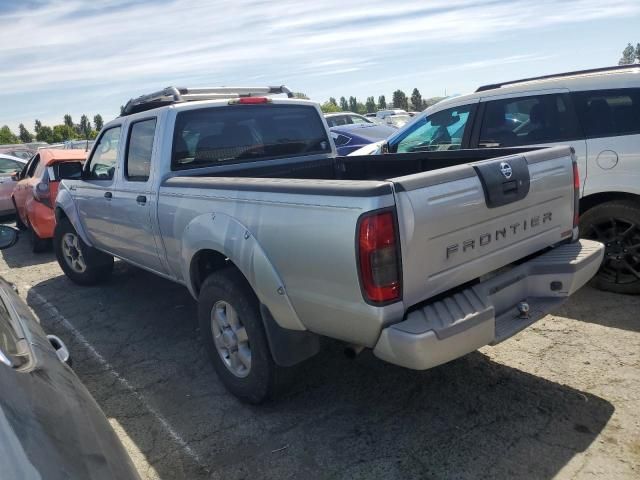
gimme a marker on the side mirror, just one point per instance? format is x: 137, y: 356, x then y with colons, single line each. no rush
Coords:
x: 8, y: 236
x: 15, y: 176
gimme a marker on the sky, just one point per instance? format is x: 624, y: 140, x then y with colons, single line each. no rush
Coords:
x: 77, y: 56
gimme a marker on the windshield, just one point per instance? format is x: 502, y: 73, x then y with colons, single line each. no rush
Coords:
x: 240, y: 133
x: 441, y: 130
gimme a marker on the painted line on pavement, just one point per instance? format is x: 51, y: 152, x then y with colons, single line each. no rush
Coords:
x: 80, y: 338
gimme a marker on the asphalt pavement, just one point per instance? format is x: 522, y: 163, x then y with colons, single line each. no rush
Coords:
x: 559, y: 400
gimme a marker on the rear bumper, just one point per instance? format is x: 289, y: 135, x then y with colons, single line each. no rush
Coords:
x: 488, y: 313
x: 42, y: 219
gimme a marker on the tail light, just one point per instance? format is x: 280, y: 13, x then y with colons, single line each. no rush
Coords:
x: 42, y: 193
x: 379, y: 257
x: 249, y: 100
x: 576, y: 195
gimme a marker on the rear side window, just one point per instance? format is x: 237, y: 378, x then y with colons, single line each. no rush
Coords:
x: 68, y: 170
x: 337, y: 121
x: 139, y: 149
x: 245, y: 133
x: 442, y: 130
x: 528, y: 121
x: 102, y: 163
x: 31, y: 166
x: 607, y: 113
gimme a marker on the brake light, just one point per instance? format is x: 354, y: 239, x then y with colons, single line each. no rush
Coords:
x: 42, y: 193
x: 249, y: 100
x: 576, y: 195
x: 379, y: 257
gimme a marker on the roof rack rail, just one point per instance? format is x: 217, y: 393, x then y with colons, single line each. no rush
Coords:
x: 171, y: 95
x: 556, y: 75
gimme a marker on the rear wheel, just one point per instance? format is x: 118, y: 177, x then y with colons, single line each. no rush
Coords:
x: 234, y: 336
x: 38, y: 245
x: 81, y: 263
x: 19, y: 224
x: 617, y: 225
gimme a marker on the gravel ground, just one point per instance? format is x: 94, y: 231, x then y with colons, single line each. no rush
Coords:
x: 559, y: 400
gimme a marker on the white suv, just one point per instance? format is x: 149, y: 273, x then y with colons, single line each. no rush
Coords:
x: 597, y: 112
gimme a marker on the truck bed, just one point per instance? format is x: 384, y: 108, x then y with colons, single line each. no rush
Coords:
x: 366, y: 167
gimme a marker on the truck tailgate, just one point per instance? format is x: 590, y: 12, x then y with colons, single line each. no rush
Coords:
x: 460, y: 223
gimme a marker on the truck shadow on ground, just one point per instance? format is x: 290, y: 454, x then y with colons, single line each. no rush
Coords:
x: 340, y: 419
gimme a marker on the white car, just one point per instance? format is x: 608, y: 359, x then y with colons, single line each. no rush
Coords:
x: 597, y: 112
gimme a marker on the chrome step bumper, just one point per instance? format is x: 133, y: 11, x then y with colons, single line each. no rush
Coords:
x: 489, y: 312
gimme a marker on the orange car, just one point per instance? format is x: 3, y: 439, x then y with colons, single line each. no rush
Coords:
x: 35, y: 193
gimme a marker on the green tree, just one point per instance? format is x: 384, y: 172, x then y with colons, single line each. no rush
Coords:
x: 400, y: 100
x: 638, y: 52
x: 98, y: 122
x: 344, y: 106
x: 85, y: 126
x: 332, y: 101
x: 24, y: 134
x: 353, y: 104
x: 628, y: 55
x: 62, y: 133
x: 370, y: 105
x: 382, y: 103
x: 416, y: 100
x: 361, y: 108
x: 300, y: 95
x: 37, y: 126
x: 7, y: 136
x: 328, y: 107
x: 44, y: 133
x: 68, y: 120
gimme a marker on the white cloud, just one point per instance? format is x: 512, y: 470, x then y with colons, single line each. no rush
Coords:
x: 126, y: 48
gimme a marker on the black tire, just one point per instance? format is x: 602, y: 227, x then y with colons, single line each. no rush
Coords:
x: 19, y: 224
x: 617, y: 225
x: 264, y: 378
x: 98, y: 265
x: 38, y: 245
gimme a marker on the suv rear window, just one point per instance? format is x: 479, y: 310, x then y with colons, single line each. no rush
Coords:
x: 243, y: 133
x: 607, y: 113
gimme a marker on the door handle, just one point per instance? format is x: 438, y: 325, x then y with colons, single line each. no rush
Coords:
x: 141, y: 199
x: 108, y: 195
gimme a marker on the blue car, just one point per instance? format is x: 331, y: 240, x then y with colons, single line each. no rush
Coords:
x: 349, y: 138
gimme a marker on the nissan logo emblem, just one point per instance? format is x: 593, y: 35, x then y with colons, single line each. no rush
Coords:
x: 506, y: 170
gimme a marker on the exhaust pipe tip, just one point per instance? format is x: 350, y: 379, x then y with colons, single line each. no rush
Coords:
x: 352, y: 351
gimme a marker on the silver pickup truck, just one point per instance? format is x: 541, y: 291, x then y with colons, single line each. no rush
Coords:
x: 238, y: 195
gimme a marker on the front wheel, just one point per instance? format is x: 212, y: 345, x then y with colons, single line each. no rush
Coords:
x: 234, y: 337
x: 617, y: 225
x: 83, y: 264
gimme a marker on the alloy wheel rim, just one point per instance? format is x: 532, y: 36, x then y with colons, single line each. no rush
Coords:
x: 230, y: 339
x: 621, y: 237
x: 73, y: 253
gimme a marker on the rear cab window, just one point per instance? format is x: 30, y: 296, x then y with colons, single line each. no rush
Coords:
x: 245, y: 133
x: 608, y: 113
